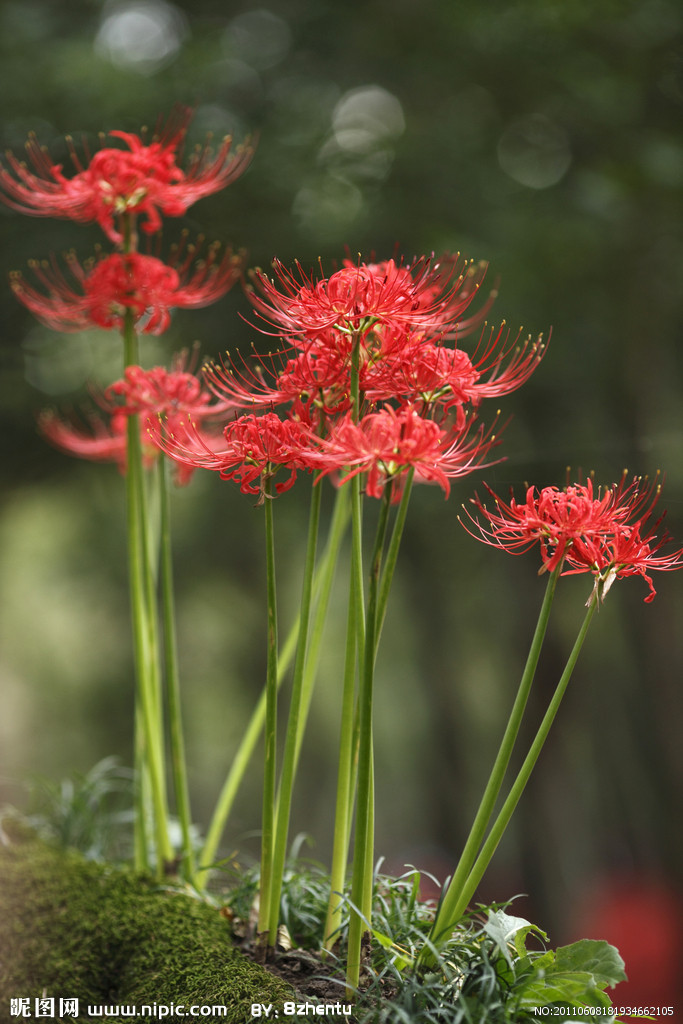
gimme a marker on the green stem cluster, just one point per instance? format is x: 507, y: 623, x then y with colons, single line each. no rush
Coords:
x: 149, y: 743
x: 304, y: 644
x: 322, y: 583
x: 478, y: 851
x: 356, y: 748
x: 363, y: 856
x: 150, y: 569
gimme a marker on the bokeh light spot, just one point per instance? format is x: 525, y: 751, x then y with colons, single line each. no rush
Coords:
x: 143, y: 36
x: 534, y: 151
x: 259, y: 38
x: 365, y: 117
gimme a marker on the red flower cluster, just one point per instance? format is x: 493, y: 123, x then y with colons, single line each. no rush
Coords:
x: 93, y: 437
x: 251, y: 450
x: 173, y: 396
x: 126, y: 290
x: 386, y: 443
x: 418, y: 297
x: 104, y: 289
x: 143, y: 179
x: 367, y: 375
x: 372, y: 380
x: 609, y: 534
x: 401, y: 351
x: 114, y: 189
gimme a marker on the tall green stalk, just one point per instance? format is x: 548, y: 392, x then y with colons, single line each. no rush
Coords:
x: 448, y: 918
x: 145, y: 637
x: 322, y: 582
x: 348, y: 745
x: 270, y: 753
x: 355, y: 644
x: 177, y: 742
x: 322, y: 587
x: 391, y: 556
x: 140, y: 799
x: 361, y: 881
x: 284, y: 802
x: 345, y: 776
x: 452, y: 897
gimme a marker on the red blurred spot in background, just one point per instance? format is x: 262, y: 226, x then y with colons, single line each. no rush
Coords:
x: 643, y: 918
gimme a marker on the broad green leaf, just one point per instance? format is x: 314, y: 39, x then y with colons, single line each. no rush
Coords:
x: 596, y: 957
x: 576, y: 989
x: 535, y: 964
x: 575, y: 977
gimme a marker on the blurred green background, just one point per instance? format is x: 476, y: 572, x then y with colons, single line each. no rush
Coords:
x: 544, y: 137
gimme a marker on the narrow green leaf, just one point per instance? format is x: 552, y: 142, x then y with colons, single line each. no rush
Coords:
x: 384, y: 940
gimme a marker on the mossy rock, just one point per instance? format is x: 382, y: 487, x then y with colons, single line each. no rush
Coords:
x: 77, y: 929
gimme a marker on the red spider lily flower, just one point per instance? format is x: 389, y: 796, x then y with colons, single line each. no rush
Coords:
x: 423, y: 372
x: 93, y: 438
x: 509, y: 364
x: 358, y: 297
x: 606, y: 533
x: 98, y: 440
x: 253, y: 449
x: 403, y: 314
x: 397, y: 366
x: 444, y: 287
x: 103, y: 290
x: 317, y: 377
x: 554, y: 518
x: 385, y: 444
x: 175, y: 394
x: 631, y: 548
x: 436, y: 374
x: 142, y: 179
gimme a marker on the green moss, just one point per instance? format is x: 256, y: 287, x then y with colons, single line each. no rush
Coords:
x: 73, y: 928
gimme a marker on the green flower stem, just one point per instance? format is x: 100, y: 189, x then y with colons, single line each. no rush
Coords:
x: 506, y: 812
x: 355, y: 643
x: 145, y: 634
x: 268, y: 811
x: 145, y: 652
x: 452, y: 897
x: 177, y: 744
x: 350, y: 737
x: 369, y: 866
x: 289, y: 759
x: 140, y: 838
x: 321, y: 587
x: 357, y: 561
x: 239, y: 765
x: 386, y: 579
x: 361, y: 884
x: 345, y: 776
x: 356, y: 499
x: 135, y: 560
x: 149, y: 749
x: 392, y: 552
